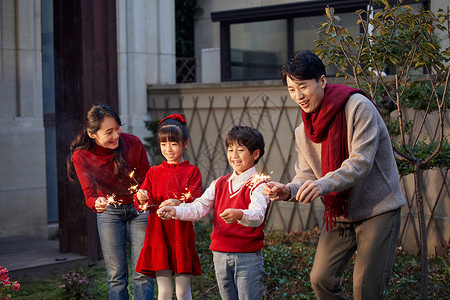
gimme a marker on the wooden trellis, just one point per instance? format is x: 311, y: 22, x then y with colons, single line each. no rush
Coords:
x: 211, y: 113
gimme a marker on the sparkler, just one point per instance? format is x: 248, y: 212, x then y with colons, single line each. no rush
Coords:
x: 258, y: 177
x: 185, y: 196
x: 110, y: 200
x: 135, y: 187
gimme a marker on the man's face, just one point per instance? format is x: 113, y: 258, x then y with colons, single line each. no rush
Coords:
x: 308, y: 94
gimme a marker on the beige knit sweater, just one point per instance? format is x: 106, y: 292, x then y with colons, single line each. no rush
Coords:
x: 370, y: 170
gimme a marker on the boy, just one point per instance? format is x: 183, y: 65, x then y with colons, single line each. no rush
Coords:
x: 238, y: 219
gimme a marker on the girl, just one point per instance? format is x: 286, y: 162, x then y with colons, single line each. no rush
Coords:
x: 102, y: 156
x: 169, y: 246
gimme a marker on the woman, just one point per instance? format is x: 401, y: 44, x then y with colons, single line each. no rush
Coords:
x: 108, y: 163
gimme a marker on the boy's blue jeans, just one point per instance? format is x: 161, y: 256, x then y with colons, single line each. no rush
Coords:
x: 112, y: 228
x: 239, y: 275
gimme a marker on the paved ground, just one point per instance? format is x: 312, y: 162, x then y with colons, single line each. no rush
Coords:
x: 32, y: 257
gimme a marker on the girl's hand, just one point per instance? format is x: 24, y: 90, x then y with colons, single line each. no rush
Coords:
x: 230, y: 215
x: 100, y: 204
x: 142, y: 196
x: 276, y: 191
x: 166, y: 212
x: 170, y: 202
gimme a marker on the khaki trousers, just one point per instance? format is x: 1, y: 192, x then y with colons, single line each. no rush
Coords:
x: 374, y: 240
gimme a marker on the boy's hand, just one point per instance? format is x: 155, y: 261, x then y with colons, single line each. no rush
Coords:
x: 230, y: 215
x: 170, y: 202
x: 166, y: 212
x: 276, y: 191
x: 100, y: 204
x: 142, y: 196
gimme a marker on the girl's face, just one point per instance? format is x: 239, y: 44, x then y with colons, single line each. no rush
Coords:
x: 108, y: 134
x: 308, y: 94
x: 173, y: 151
x: 240, y: 158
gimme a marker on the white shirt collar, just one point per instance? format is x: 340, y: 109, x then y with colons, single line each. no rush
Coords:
x: 243, y: 177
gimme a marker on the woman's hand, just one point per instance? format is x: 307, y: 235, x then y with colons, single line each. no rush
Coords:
x: 142, y: 196
x: 170, y: 202
x: 230, y: 215
x: 166, y: 212
x: 276, y: 191
x: 100, y: 204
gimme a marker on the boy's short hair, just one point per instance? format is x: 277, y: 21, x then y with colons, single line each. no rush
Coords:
x: 303, y: 65
x: 248, y: 137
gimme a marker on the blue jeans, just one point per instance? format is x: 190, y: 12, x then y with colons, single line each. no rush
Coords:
x: 112, y: 228
x: 239, y: 275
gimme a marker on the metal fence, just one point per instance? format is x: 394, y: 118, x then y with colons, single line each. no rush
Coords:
x: 211, y: 110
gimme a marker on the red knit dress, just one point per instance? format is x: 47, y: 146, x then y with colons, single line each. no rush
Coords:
x: 169, y: 244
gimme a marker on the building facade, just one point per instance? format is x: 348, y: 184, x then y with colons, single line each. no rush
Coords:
x: 124, y: 48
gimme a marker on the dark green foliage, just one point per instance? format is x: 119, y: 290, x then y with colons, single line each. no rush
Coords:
x: 420, y: 95
x: 185, y: 13
x: 421, y: 151
x: 288, y: 258
x: 406, y: 276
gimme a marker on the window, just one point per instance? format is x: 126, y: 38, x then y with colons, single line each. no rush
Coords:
x: 255, y: 42
x: 257, y: 49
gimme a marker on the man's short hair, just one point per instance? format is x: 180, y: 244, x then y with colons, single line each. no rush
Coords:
x: 303, y: 65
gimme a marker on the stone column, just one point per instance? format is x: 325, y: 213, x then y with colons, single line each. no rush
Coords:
x: 146, y: 46
x: 23, y: 200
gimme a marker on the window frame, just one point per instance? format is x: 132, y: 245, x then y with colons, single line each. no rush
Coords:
x: 287, y: 12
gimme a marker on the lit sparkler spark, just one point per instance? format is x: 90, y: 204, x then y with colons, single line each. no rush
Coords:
x: 133, y: 188
x: 258, y: 177
x: 110, y: 200
x: 185, y: 196
x: 146, y: 205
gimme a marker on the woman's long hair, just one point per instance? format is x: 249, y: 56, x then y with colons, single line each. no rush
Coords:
x: 92, y: 123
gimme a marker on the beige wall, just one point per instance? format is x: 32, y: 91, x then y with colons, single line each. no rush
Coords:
x: 212, y: 109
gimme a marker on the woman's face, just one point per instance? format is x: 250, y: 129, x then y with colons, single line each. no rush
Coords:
x: 108, y: 134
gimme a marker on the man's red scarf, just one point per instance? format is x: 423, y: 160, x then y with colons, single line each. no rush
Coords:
x: 327, y: 125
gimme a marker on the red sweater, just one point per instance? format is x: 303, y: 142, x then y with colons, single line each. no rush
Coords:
x: 95, y: 170
x: 234, y: 237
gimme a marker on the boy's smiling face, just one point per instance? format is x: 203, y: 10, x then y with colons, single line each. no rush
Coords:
x: 240, y: 158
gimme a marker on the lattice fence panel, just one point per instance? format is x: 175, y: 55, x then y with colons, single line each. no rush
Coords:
x: 211, y: 113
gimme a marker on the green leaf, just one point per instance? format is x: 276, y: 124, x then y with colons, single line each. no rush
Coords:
x: 385, y: 2
x: 377, y: 15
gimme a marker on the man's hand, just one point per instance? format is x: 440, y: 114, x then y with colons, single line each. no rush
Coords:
x: 309, y: 191
x: 276, y: 191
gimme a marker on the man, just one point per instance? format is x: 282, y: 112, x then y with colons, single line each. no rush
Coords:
x: 344, y: 154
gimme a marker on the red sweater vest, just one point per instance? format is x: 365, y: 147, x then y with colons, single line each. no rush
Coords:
x: 233, y: 237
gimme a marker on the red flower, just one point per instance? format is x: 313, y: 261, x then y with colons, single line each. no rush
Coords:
x: 16, y: 286
x: 5, y: 277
